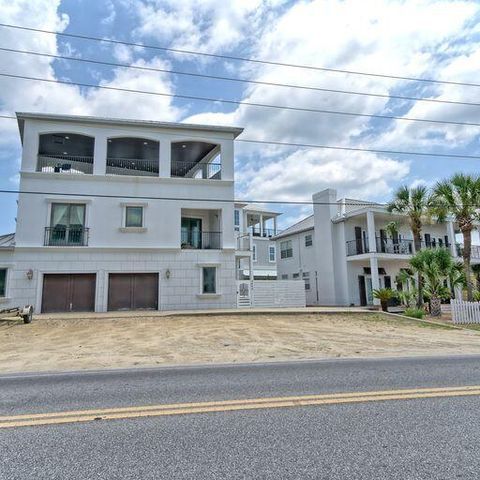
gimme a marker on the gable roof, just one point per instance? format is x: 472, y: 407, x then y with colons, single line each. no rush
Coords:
x: 299, y: 227
x: 7, y: 241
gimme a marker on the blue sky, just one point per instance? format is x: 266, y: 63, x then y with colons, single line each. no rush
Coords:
x: 418, y: 38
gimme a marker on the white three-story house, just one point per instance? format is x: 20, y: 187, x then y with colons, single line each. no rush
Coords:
x: 120, y: 214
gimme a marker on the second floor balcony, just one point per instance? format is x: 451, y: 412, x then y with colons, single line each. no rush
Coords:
x: 62, y: 236
x: 383, y: 245
x: 200, y: 240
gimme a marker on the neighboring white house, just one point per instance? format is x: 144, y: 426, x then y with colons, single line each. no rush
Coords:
x: 343, y: 251
x: 260, y: 225
x: 129, y: 215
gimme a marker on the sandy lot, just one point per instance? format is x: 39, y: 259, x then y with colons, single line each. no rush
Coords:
x: 72, y: 344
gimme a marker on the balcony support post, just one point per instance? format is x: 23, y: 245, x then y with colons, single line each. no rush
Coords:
x: 372, y: 241
x: 261, y: 225
x: 165, y: 158
x: 100, y: 155
x: 451, y: 238
x: 375, y: 278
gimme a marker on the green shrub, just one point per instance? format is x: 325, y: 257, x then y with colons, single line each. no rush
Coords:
x: 414, y: 312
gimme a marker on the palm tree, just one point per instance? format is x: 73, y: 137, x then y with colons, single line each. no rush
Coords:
x: 459, y: 196
x: 415, y: 204
x: 435, y: 267
x: 384, y: 295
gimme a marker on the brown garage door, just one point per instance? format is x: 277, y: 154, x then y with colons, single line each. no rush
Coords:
x: 133, y: 291
x: 68, y: 292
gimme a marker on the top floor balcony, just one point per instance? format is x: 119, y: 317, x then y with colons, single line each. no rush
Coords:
x: 71, y: 153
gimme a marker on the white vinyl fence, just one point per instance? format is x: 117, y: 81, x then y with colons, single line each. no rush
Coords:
x: 278, y: 293
x: 465, y: 312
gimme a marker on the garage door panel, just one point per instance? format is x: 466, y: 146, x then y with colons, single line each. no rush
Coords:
x: 68, y: 292
x: 132, y: 291
x: 145, y: 291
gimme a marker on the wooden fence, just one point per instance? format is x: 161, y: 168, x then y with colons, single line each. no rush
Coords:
x: 465, y: 312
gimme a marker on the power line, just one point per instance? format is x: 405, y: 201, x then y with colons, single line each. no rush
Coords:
x: 237, y: 58
x: 236, y: 79
x: 238, y: 102
x: 327, y: 147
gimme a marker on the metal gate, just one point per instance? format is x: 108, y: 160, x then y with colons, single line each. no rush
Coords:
x: 244, y: 293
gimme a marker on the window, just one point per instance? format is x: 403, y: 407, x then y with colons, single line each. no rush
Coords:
x: 306, y: 278
x: 285, y: 276
x: 3, y: 282
x: 286, y: 250
x: 296, y: 275
x: 236, y: 219
x: 254, y: 253
x: 67, y: 225
x: 133, y: 216
x: 209, y: 280
x: 308, y: 240
x: 271, y: 253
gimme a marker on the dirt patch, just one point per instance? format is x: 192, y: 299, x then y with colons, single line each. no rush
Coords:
x: 73, y: 344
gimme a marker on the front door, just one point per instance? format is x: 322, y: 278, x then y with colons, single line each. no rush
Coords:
x: 369, y: 289
x: 191, y: 232
x: 362, y: 291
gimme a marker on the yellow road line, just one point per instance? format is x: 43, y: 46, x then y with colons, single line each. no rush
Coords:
x: 52, y: 418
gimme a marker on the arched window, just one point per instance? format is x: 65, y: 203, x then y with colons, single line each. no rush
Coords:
x: 192, y: 159
x: 65, y: 153
x: 132, y: 156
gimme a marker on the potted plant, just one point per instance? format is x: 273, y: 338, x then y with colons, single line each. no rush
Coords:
x: 384, y: 295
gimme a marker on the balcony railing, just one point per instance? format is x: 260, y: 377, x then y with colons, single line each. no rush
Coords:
x: 132, y: 166
x: 474, y: 252
x: 197, y: 240
x: 185, y: 169
x: 244, y: 243
x: 69, y: 164
x: 266, y: 233
x: 384, y: 245
x: 61, y: 236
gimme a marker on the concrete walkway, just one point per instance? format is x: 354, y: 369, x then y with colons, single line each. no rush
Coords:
x: 229, y: 311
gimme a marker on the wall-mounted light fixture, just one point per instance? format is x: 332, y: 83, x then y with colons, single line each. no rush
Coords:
x: 29, y: 274
x: 167, y: 273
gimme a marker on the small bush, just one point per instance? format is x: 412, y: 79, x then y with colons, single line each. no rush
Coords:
x: 414, y: 312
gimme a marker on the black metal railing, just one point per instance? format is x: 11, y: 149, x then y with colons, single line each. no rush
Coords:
x: 474, y: 250
x: 186, y: 169
x: 266, y: 233
x: 434, y: 244
x: 71, y: 164
x: 132, y: 166
x: 61, y: 236
x: 394, y: 246
x: 357, y: 247
x: 199, y: 240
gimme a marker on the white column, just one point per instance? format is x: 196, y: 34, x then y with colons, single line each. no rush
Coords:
x: 261, y: 225
x: 375, y: 279
x: 451, y: 238
x: 274, y: 225
x: 227, y: 158
x: 165, y: 160
x: 100, y: 155
x: 372, y: 241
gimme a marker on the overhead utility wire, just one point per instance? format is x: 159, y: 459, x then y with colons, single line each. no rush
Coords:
x: 327, y: 147
x: 241, y: 59
x: 239, y: 102
x: 214, y: 200
x: 236, y: 79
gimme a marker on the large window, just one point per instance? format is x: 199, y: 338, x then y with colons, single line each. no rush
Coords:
x: 286, y: 250
x: 133, y: 216
x: 236, y: 219
x: 209, y: 280
x: 271, y: 253
x: 3, y: 282
x: 67, y: 225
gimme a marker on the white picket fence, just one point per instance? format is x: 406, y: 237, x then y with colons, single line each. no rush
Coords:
x: 465, y: 312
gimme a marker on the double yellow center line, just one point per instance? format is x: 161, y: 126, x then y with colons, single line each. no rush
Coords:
x: 54, y: 418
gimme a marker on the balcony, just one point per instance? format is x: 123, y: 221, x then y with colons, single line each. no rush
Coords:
x: 200, y: 240
x: 384, y: 245
x: 266, y: 233
x: 474, y: 252
x: 244, y: 243
x: 60, y: 236
x: 132, y: 166
x: 69, y: 164
x: 187, y: 169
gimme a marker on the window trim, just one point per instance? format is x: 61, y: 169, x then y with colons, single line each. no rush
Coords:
x: 124, y: 227
x: 274, y: 247
x: 311, y: 240
x: 287, y: 252
x: 200, y: 285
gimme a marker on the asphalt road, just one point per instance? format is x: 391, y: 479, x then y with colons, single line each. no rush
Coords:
x: 428, y: 438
